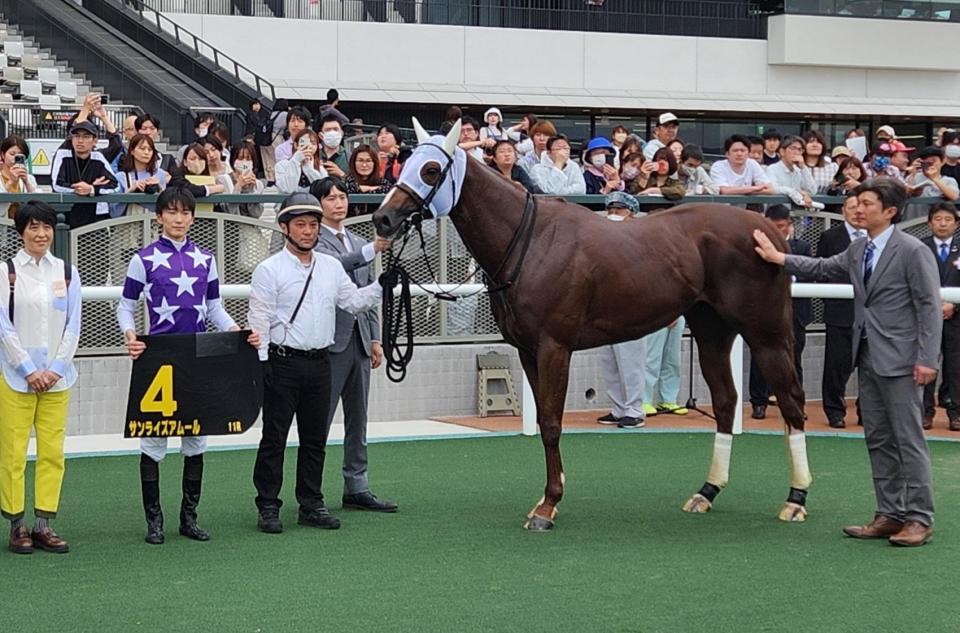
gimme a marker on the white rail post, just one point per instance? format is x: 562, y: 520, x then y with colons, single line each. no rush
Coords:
x: 736, y: 365
x: 529, y: 408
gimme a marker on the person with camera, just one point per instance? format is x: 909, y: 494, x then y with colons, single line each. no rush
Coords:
x: 599, y: 173
x: 298, y: 119
x: 662, y: 179
x: 14, y: 175
x: 304, y: 167
x: 243, y: 179
x: 140, y: 173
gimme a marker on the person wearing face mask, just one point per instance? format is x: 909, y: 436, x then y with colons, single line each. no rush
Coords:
x: 194, y: 176
x: 304, y: 167
x: 618, y: 136
x: 556, y: 174
x: 951, y: 154
x: 243, y: 177
x: 622, y: 365
x: 201, y: 124
x: 599, y: 174
x: 631, y: 172
x: 879, y: 162
x: 691, y: 173
x: 14, y: 175
x: 332, y: 156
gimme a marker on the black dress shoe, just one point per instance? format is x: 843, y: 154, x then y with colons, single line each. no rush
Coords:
x: 269, y: 523
x: 837, y: 424
x: 759, y: 412
x: 631, y: 423
x: 319, y: 518
x: 368, y: 501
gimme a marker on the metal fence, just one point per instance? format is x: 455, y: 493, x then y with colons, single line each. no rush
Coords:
x: 101, y: 252
x: 707, y: 18
x: 36, y: 121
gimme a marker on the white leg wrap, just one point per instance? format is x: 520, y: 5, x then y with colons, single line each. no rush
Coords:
x: 720, y: 466
x: 800, y: 476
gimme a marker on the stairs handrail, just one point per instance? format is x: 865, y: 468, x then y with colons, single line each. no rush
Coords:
x: 258, y: 82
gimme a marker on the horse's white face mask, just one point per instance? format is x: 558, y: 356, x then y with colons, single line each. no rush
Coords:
x: 420, y: 177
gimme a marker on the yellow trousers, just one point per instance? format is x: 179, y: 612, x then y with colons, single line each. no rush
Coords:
x: 19, y: 413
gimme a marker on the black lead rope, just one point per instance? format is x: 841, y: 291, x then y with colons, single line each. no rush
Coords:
x: 397, y: 326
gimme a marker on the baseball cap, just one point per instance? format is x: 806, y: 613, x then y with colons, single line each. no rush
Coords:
x: 900, y: 147
x: 841, y: 150
x: 888, y: 129
x: 299, y: 203
x: 85, y: 126
x: 668, y: 117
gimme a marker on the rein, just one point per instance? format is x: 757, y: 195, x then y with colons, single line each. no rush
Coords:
x: 397, y: 327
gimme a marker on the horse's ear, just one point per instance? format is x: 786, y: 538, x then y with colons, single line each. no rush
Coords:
x: 453, y: 136
x: 422, y: 135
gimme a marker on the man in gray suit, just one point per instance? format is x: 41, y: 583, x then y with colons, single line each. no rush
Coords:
x: 356, y: 347
x: 896, y: 341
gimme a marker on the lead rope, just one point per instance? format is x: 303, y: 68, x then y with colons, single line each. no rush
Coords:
x: 397, y: 325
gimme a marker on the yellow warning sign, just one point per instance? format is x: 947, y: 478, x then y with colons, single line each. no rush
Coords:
x: 48, y: 117
x: 40, y: 159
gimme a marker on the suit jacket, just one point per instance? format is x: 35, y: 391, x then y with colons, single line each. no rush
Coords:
x: 949, y: 273
x: 898, y: 311
x: 361, y: 273
x: 838, y: 312
x: 802, y: 313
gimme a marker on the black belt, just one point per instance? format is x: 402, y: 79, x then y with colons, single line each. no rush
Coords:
x: 282, y: 351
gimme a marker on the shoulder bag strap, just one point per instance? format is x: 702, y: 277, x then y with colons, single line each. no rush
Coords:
x: 303, y: 294
x: 12, y: 277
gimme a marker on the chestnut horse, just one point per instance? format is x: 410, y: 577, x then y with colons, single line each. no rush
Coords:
x: 566, y: 279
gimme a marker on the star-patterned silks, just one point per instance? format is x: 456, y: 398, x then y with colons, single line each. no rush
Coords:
x: 201, y: 313
x: 146, y: 292
x: 165, y: 311
x: 158, y: 259
x: 199, y: 258
x: 184, y: 283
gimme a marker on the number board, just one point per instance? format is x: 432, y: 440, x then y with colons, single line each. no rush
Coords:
x: 194, y: 384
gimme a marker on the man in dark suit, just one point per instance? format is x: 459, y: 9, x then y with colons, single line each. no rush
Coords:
x: 838, y: 317
x: 759, y: 389
x: 942, y: 220
x: 356, y: 347
x: 896, y: 341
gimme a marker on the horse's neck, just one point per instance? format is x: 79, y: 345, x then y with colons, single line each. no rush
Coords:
x: 487, y: 215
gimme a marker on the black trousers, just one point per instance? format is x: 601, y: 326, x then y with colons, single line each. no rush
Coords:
x: 950, y: 368
x: 837, y: 368
x: 759, y: 389
x: 298, y: 386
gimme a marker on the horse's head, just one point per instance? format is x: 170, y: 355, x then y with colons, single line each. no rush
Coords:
x: 429, y: 183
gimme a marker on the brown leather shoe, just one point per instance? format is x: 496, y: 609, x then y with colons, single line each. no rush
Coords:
x: 46, y: 539
x: 955, y: 424
x: 881, y: 527
x: 927, y: 422
x: 913, y: 534
x: 20, y: 541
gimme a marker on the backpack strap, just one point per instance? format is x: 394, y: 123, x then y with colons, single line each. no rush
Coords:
x: 67, y: 273
x: 12, y: 278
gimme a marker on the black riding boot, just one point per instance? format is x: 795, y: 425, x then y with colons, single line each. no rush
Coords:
x: 192, y: 478
x: 150, y: 487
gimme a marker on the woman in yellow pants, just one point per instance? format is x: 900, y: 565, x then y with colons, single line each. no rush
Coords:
x: 39, y: 332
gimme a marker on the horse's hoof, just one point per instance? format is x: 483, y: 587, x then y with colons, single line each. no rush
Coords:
x: 537, y: 523
x: 793, y: 513
x: 697, y: 504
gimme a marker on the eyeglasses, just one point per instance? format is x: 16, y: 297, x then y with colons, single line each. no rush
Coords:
x: 561, y: 148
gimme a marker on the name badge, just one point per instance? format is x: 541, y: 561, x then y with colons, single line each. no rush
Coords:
x: 59, y: 289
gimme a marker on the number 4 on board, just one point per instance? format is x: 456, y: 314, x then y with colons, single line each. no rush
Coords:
x: 159, y: 395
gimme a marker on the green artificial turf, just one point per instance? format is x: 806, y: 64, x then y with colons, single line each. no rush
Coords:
x: 623, y: 557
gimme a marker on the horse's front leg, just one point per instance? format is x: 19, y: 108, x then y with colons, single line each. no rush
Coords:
x: 548, y: 378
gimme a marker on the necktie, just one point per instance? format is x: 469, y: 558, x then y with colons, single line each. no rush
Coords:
x: 868, y: 262
x: 944, y: 253
x: 342, y: 238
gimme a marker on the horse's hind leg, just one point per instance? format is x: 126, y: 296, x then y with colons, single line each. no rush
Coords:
x: 714, y: 340
x: 776, y: 362
x: 548, y: 375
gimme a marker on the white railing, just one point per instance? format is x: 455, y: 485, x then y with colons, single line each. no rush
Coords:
x: 798, y: 290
